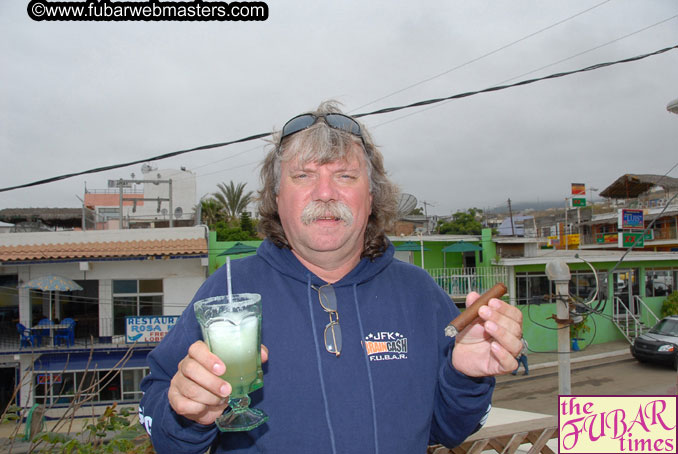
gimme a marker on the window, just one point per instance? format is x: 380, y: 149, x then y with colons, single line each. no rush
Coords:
x: 56, y: 387
x: 133, y: 298
x: 9, y: 302
x: 583, y: 284
x: 533, y: 288
x: 92, y: 386
x: 660, y: 281
x: 131, y: 379
x: 108, y: 213
x: 109, y: 385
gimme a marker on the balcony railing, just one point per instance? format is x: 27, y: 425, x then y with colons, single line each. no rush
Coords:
x: 88, y: 334
x: 457, y: 282
x: 659, y: 234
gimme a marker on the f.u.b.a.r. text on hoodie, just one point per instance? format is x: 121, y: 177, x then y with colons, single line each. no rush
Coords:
x: 392, y: 390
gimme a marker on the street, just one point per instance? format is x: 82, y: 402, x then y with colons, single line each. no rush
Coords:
x: 627, y: 377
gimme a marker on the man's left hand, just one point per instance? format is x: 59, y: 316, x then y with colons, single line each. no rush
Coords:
x: 490, y: 344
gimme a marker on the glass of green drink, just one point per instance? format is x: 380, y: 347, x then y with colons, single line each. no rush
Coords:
x: 231, y: 327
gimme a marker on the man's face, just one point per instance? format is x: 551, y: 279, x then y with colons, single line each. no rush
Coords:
x: 306, y: 197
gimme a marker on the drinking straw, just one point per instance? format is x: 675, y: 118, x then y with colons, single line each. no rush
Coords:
x: 228, y: 279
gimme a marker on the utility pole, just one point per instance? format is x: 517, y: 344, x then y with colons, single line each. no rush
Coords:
x: 557, y: 271
x: 513, y: 229
x: 565, y: 225
x: 425, y: 203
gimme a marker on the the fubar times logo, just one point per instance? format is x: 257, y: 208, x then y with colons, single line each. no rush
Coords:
x: 617, y: 424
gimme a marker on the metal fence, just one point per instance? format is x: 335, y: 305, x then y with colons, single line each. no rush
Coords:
x: 457, y: 282
x: 86, y: 332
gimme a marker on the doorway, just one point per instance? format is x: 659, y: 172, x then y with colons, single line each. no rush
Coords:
x: 469, y: 259
x: 624, y: 289
x: 8, y: 380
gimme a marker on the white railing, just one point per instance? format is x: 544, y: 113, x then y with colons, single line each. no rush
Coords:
x: 457, y: 282
x: 627, y: 323
x: 630, y: 321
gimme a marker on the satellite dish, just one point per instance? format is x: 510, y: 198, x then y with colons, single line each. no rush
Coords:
x: 178, y: 212
x: 406, y: 204
x: 164, y: 211
x: 147, y: 168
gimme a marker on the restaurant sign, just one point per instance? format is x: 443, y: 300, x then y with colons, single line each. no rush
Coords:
x: 148, y: 328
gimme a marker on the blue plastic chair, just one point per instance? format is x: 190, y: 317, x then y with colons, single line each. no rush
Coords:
x: 27, y: 337
x: 67, y: 335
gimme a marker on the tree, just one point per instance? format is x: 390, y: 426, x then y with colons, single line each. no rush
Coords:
x: 117, y: 430
x: 246, y: 224
x: 233, y: 199
x: 670, y: 305
x: 225, y: 232
x: 211, y: 212
x: 462, y: 223
x: 416, y: 212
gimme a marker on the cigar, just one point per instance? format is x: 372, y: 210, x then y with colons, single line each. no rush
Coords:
x: 465, y: 318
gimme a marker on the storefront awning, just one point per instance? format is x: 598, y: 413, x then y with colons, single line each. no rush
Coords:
x: 58, y: 362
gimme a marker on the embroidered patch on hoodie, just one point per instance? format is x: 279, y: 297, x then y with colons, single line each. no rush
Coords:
x: 385, y: 346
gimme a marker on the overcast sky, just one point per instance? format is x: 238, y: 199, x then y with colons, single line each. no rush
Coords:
x: 80, y: 95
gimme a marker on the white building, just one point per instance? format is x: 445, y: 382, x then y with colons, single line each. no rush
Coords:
x: 160, y: 198
x: 138, y: 272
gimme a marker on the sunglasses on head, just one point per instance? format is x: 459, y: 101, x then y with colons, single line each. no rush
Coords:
x: 333, y: 120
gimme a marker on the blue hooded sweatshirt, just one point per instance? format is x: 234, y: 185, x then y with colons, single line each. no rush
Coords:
x: 392, y: 390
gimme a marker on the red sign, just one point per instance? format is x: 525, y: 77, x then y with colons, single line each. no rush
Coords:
x: 610, y: 238
x: 578, y: 189
x: 44, y: 379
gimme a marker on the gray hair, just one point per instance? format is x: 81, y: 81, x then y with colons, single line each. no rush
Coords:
x: 322, y: 144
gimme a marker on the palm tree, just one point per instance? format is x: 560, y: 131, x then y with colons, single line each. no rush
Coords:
x: 210, y: 212
x: 233, y: 199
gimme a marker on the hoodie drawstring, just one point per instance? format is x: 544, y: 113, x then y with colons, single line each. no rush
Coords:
x: 369, y: 370
x: 320, y: 371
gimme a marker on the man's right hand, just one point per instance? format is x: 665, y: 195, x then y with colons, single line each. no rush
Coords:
x: 197, y: 391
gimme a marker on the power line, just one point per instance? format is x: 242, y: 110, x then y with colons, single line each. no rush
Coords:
x: 376, y: 112
x: 517, y: 84
x: 506, y: 46
x: 538, y: 69
x: 590, y: 50
x: 138, y: 161
x: 226, y: 158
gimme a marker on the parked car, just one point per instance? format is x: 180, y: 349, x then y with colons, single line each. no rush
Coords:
x: 660, y: 344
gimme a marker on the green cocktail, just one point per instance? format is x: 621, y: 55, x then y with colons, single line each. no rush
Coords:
x: 231, y: 327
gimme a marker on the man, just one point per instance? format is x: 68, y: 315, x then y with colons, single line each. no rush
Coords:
x: 368, y: 371
x: 522, y: 359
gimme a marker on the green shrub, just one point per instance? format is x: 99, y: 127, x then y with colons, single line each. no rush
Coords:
x: 670, y: 305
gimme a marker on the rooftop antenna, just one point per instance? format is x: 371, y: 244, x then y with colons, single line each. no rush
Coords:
x: 425, y: 203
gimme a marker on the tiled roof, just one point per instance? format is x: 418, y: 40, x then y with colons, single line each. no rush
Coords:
x: 106, y: 249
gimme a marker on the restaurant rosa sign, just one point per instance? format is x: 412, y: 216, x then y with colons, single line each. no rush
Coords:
x: 148, y: 328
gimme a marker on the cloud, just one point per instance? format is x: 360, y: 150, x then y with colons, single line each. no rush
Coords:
x: 78, y: 95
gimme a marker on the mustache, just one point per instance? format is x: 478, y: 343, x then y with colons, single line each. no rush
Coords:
x: 333, y: 209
